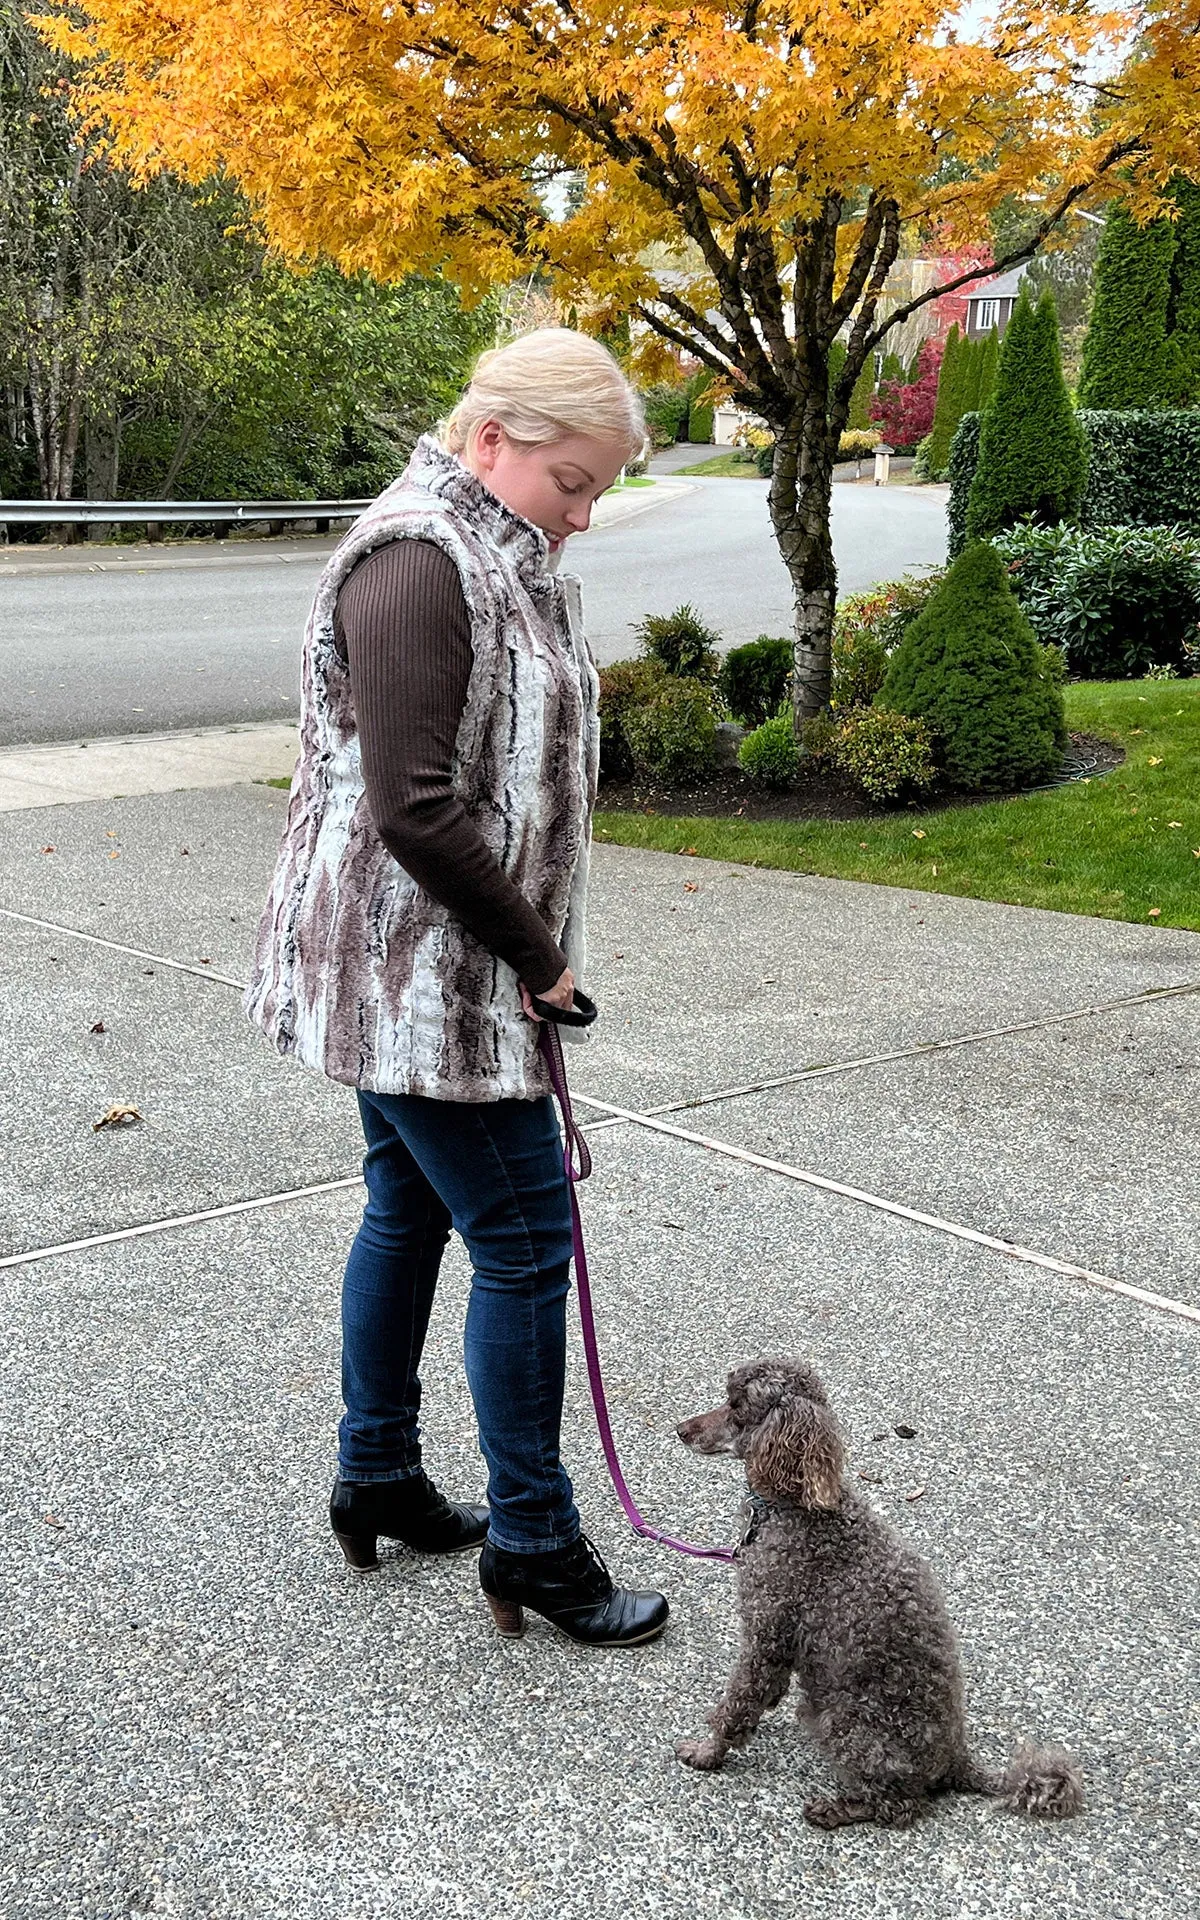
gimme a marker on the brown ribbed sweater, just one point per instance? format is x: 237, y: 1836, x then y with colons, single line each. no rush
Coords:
x: 403, y: 622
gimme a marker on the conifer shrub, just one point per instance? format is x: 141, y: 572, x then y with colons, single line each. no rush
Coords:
x: 755, y: 680
x: 1129, y: 357
x: 953, y: 376
x: 672, y: 730
x: 888, y: 754
x: 770, y: 755
x: 681, y: 643
x: 970, y: 667
x: 1143, y: 469
x: 960, y: 471
x: 1032, y: 454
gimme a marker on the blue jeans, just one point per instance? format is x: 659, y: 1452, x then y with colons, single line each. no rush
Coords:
x: 492, y: 1170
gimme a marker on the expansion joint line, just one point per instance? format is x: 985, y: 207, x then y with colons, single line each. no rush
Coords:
x: 627, y: 1116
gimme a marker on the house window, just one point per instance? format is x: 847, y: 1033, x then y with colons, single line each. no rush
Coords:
x: 987, y: 315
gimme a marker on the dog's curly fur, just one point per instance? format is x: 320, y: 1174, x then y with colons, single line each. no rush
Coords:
x: 830, y: 1593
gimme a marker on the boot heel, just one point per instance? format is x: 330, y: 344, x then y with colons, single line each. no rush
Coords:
x: 509, y: 1616
x: 359, y: 1549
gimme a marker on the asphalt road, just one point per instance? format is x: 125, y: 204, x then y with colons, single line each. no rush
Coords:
x: 112, y: 641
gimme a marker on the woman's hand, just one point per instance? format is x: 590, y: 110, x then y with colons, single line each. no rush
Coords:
x: 561, y: 994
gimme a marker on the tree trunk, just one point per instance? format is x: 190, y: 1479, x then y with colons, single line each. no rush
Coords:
x: 799, y: 500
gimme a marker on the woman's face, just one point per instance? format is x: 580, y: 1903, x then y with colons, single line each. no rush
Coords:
x: 555, y: 486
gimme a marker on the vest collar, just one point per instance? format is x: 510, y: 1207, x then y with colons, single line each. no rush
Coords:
x: 524, y: 546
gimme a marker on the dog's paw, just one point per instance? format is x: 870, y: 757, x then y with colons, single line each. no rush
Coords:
x: 705, y: 1754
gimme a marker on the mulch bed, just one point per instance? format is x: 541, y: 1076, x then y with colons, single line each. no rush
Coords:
x: 819, y: 794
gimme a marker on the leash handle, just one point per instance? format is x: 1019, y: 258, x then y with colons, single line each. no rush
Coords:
x: 577, y: 1165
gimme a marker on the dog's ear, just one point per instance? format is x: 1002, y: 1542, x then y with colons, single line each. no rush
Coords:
x: 796, y: 1454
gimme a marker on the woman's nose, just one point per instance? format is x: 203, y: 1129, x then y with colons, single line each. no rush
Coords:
x: 579, y: 518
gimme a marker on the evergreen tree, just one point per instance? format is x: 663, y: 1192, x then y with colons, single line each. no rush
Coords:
x: 1128, y: 358
x: 948, y: 410
x: 1032, y: 453
x: 987, y: 366
x: 970, y: 667
x: 893, y: 371
x: 1185, y: 288
x: 860, y: 399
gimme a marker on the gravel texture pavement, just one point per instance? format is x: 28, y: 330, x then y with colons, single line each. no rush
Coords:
x: 207, y: 1715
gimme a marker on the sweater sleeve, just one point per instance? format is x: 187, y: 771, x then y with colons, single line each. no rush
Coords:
x: 403, y: 621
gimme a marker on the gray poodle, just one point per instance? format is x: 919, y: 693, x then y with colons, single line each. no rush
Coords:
x: 828, y: 1592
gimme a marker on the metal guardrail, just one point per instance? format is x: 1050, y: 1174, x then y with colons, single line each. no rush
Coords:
x: 154, y: 514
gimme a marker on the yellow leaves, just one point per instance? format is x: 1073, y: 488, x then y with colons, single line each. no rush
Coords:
x: 393, y: 137
x: 1155, y: 760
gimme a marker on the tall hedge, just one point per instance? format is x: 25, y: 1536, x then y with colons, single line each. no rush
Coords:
x: 969, y: 666
x: 1032, y: 456
x: 1143, y: 470
x: 1185, y: 287
x: 1129, y: 357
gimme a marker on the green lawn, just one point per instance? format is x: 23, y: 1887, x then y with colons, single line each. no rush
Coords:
x: 726, y: 466
x: 1125, y: 846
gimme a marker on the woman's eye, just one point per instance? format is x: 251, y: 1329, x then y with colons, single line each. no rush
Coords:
x: 563, y: 488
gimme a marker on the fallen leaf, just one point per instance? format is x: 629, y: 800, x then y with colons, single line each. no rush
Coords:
x: 110, y: 833
x: 115, y: 854
x: 204, y: 963
x: 99, y: 1027
x: 689, y: 849
x: 1174, y: 823
x: 916, y: 1494
x: 880, y: 1436
x: 183, y: 849
x: 905, y: 1433
x: 935, y: 873
x: 1154, y: 912
x: 118, y: 1117
x: 1137, y: 730
x: 873, y: 1479
x: 691, y: 886
x: 918, y: 833
x: 52, y: 1520
x: 1155, y: 760
x: 863, y: 844
x: 618, y: 956
x: 49, y: 849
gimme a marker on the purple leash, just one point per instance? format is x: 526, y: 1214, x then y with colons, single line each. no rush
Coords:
x: 575, y: 1145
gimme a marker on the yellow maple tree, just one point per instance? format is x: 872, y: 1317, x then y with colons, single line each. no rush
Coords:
x: 750, y: 173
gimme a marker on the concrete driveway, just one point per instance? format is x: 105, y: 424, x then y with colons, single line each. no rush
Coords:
x: 207, y: 1715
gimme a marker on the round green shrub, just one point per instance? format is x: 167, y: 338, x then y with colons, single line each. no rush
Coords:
x: 670, y: 732
x: 771, y: 754
x: 623, y: 685
x: 755, y: 680
x: 819, y: 738
x: 681, y: 643
x: 970, y: 667
x: 888, y: 754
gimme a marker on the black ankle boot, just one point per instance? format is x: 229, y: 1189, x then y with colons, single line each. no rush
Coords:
x: 409, y: 1510
x: 571, y: 1588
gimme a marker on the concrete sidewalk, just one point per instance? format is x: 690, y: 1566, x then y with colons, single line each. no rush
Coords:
x: 207, y: 1715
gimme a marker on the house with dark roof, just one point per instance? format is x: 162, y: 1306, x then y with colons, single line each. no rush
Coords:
x: 991, y: 303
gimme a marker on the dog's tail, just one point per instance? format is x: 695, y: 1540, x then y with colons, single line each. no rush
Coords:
x: 1041, y: 1781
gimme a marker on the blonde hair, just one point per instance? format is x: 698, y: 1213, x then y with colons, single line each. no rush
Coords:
x: 545, y: 386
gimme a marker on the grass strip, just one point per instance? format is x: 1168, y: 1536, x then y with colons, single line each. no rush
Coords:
x: 1122, y: 847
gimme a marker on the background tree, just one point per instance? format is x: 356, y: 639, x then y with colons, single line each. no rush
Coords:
x: 951, y: 402
x: 1032, y: 454
x: 1184, y: 316
x: 1129, y: 358
x: 783, y: 156
x: 903, y: 409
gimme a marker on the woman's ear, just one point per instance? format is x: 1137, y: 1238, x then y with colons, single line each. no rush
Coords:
x: 796, y: 1454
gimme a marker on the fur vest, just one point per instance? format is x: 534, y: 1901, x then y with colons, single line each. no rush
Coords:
x: 358, y: 972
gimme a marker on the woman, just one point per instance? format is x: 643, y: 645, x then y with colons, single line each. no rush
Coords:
x: 431, y: 880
